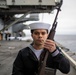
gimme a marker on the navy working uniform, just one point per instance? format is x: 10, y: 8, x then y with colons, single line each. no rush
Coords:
x: 28, y: 59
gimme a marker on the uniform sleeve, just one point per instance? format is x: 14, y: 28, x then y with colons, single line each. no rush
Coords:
x: 60, y: 61
x: 18, y: 65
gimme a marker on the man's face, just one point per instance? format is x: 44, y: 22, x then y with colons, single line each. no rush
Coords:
x: 39, y: 36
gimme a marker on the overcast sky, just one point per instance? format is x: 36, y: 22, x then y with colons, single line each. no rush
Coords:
x: 66, y: 19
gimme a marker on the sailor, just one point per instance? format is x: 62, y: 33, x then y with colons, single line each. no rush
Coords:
x: 28, y: 59
x: 7, y: 34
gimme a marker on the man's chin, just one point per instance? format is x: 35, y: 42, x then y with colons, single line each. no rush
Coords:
x: 40, y: 43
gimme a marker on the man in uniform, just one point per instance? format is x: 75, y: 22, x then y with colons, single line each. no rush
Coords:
x: 28, y: 59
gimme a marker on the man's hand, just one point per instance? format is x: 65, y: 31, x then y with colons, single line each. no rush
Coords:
x: 50, y: 45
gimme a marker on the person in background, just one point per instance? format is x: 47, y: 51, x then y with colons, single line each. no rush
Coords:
x: 28, y: 59
x: 20, y: 33
x: 6, y: 34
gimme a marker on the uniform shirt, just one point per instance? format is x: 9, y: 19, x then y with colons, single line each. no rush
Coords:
x: 37, y: 52
x: 27, y: 63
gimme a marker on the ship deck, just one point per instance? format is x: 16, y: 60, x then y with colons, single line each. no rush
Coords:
x: 8, y: 52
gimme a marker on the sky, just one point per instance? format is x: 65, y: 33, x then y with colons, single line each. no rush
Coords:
x: 66, y: 18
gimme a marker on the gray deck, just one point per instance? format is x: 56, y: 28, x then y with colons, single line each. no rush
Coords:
x: 8, y: 52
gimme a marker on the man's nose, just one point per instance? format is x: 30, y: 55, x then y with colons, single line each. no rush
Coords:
x: 40, y: 35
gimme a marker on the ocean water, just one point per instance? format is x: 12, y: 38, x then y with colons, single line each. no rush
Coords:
x: 68, y: 41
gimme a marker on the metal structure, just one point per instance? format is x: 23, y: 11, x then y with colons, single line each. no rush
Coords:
x: 8, y: 8
x: 22, y: 6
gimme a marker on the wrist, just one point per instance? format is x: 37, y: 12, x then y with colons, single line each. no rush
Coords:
x: 55, y: 52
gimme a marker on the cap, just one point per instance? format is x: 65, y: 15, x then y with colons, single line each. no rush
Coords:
x: 39, y: 25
